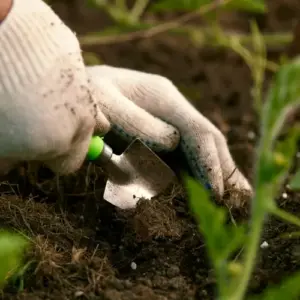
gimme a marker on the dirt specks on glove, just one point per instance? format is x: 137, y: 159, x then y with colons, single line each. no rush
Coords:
x: 47, y: 112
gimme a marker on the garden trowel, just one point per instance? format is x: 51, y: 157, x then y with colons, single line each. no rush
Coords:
x: 137, y: 173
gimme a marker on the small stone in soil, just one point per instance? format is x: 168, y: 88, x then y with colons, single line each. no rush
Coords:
x: 133, y: 265
x: 251, y: 135
x: 264, y: 245
x: 78, y: 294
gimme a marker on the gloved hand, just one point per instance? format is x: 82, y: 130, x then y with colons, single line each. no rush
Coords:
x: 150, y: 107
x: 50, y: 109
x: 47, y: 111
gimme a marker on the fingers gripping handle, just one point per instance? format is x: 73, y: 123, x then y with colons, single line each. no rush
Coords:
x: 98, y: 151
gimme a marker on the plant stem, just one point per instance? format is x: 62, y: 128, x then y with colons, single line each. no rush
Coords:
x: 286, y: 216
x: 200, y: 38
x: 257, y: 221
x: 138, y: 9
x: 155, y: 28
x: 121, y: 5
x: 253, y: 242
x: 271, y: 40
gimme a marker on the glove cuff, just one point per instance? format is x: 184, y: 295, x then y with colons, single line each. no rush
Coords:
x: 32, y: 39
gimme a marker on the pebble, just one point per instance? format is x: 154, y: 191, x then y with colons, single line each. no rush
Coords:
x: 133, y: 266
x: 264, y: 245
x: 251, y: 135
x: 78, y: 294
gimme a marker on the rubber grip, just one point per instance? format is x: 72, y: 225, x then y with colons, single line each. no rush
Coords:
x: 95, y: 148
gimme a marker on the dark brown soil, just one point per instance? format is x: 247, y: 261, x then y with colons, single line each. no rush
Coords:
x: 83, y: 248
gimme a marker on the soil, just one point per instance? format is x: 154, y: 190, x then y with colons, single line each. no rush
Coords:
x: 84, y: 248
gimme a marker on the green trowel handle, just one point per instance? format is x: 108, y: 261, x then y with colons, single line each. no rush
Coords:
x: 96, y: 148
x: 99, y: 152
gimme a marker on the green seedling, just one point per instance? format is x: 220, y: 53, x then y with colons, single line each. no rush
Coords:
x: 12, y: 248
x: 273, y: 162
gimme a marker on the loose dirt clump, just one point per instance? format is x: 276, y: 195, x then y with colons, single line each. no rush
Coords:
x: 85, y: 248
x: 157, y: 218
x: 56, y: 250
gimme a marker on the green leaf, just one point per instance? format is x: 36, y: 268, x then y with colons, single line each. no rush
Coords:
x: 221, y: 239
x: 95, y: 3
x: 295, y: 182
x: 274, y: 159
x: 275, y: 165
x: 288, y: 289
x: 273, y: 169
x: 178, y: 5
x: 257, y: 6
x: 111, y: 33
x: 254, y: 6
x: 283, y: 97
x: 12, y: 247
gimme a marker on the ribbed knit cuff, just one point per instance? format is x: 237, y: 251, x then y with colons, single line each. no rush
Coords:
x: 32, y: 38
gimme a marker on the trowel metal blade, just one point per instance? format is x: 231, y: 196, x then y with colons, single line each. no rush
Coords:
x: 137, y: 173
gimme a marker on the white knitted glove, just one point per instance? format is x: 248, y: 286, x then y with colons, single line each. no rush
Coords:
x: 50, y: 109
x: 47, y: 111
x: 148, y: 106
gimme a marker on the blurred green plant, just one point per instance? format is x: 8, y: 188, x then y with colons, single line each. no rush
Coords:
x: 188, y: 5
x: 273, y: 163
x: 12, y: 249
x: 140, y: 20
